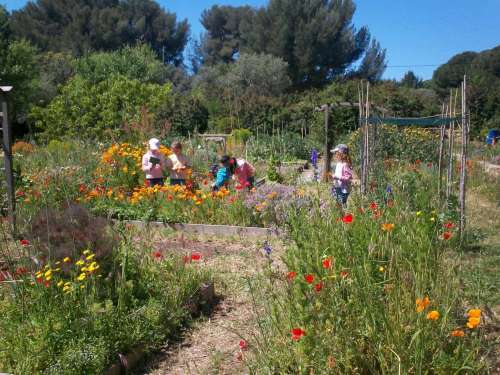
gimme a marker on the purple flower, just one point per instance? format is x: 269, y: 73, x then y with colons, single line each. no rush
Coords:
x: 267, y: 249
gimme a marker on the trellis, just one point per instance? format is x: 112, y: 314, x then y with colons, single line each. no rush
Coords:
x: 446, y: 121
x: 7, y: 152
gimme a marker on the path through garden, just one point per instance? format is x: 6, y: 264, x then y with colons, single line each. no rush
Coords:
x: 212, y: 344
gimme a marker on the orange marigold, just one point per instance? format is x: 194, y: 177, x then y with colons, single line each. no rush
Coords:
x: 433, y: 315
x: 422, y: 304
x: 458, y: 333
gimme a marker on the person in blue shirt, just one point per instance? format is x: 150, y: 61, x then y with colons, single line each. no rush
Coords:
x: 493, y: 137
x: 223, y: 173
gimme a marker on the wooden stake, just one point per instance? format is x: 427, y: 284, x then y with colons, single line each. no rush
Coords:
x: 328, y: 155
x: 7, y: 151
x: 441, y: 151
x: 463, y: 159
x: 451, y: 134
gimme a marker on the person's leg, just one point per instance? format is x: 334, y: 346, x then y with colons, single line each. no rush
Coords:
x: 250, y: 182
x: 155, y: 182
x: 177, y: 181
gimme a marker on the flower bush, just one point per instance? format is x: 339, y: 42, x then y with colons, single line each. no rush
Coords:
x: 74, y: 315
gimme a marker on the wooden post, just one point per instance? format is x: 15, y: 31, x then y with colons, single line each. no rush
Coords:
x: 362, y: 139
x: 7, y: 151
x: 451, y: 134
x: 441, y: 151
x: 463, y: 159
x: 328, y: 155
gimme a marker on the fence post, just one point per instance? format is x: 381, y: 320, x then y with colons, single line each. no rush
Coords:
x: 7, y: 151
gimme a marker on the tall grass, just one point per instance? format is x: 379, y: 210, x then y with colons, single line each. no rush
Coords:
x: 359, y: 312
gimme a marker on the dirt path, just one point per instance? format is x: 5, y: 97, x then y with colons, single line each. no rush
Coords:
x: 211, y: 346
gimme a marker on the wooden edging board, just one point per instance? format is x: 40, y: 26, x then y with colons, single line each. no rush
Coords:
x: 206, y: 229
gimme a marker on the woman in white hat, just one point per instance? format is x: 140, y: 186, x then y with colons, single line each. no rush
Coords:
x: 153, y: 163
x: 343, y: 174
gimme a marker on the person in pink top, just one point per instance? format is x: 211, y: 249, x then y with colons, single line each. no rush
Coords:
x: 243, y: 172
x: 342, y: 177
x: 153, y: 163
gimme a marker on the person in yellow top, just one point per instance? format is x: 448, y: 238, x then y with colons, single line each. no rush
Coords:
x: 178, y: 164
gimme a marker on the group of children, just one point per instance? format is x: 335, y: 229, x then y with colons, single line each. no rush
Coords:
x: 154, y: 164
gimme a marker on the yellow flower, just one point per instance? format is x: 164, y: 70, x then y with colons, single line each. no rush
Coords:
x: 474, y: 313
x: 433, y: 315
x: 90, y: 257
x: 419, y: 213
x: 83, y: 269
x: 381, y: 269
x: 87, y: 252
x: 48, y: 274
x: 81, y: 277
x: 386, y: 227
x: 433, y: 219
x: 473, y: 322
x: 422, y: 304
x: 80, y: 263
x: 60, y: 283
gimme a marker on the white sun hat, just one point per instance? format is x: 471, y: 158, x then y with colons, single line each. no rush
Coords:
x: 340, y: 148
x: 154, y: 144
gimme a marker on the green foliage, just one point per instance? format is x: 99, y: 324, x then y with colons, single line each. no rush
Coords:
x: 94, y: 111
x: 316, y: 38
x: 80, y: 331
x: 483, y: 78
x: 373, y: 65
x: 272, y: 170
x: 101, y: 25
x: 411, y: 81
x: 55, y: 70
x: 138, y: 63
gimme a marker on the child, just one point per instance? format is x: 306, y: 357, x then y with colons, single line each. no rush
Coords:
x: 223, y: 173
x: 243, y: 171
x: 343, y: 174
x: 178, y: 164
x: 153, y: 163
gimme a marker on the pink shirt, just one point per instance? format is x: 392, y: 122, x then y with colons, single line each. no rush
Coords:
x: 155, y: 171
x: 243, y: 171
x: 343, y: 174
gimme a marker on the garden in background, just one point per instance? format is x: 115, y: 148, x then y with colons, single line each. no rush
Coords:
x: 384, y: 285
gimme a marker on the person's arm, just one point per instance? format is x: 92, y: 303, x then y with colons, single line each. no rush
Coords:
x: 346, y: 173
x: 251, y: 169
x: 146, y: 165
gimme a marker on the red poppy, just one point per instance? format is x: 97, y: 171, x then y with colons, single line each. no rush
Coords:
x: 39, y: 280
x: 297, y: 333
x: 243, y: 344
x: 195, y: 257
x: 446, y: 235
x: 309, y: 278
x: 344, y: 274
x: 24, y: 242
x: 347, y: 219
x: 448, y: 225
x: 318, y: 287
x: 418, y: 161
x: 377, y: 214
x: 82, y: 188
x: 291, y: 275
x: 327, y: 263
x: 239, y: 187
x: 170, y: 197
x: 47, y: 284
x: 157, y: 254
x: 373, y: 206
x: 205, y: 182
x: 20, y: 193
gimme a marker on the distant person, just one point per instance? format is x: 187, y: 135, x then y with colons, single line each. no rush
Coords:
x: 179, y: 165
x: 223, y: 173
x: 243, y: 172
x: 342, y: 177
x: 153, y: 163
x: 492, y: 137
x: 314, y: 158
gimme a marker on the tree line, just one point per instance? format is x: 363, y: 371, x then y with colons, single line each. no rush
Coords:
x: 91, y: 66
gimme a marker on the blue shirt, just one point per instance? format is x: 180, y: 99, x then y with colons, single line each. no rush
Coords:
x: 223, y: 175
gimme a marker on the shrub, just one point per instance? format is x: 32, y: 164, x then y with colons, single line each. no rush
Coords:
x: 22, y: 148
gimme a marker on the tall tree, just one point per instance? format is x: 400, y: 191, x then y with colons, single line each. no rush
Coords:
x: 411, y: 80
x: 80, y: 26
x: 223, y: 38
x: 373, y: 64
x: 316, y: 38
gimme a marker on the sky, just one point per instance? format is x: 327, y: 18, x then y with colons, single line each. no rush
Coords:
x: 418, y: 35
